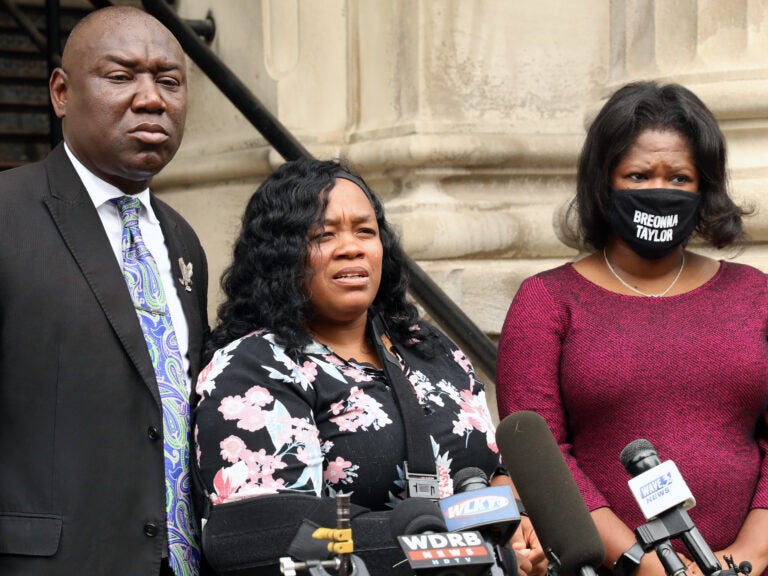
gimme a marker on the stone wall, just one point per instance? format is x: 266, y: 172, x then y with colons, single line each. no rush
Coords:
x: 466, y: 116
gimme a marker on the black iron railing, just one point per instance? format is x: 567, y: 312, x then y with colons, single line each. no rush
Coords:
x: 439, y: 306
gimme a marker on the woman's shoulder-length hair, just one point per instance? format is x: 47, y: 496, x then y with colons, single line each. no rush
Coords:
x: 636, y: 108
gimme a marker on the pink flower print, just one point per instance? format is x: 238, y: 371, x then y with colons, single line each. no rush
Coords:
x: 450, y: 390
x: 228, y: 481
x: 304, y: 432
x: 358, y: 411
x: 472, y: 382
x: 206, y: 379
x: 252, y: 419
x: 355, y: 374
x: 443, y: 464
x: 261, y: 466
x: 476, y: 410
x: 203, y: 385
x: 258, y: 396
x: 304, y: 456
x: 270, y: 464
x: 474, y: 415
x: 247, y: 411
x: 231, y: 407
x: 222, y: 487
x: 490, y: 440
x: 282, y: 429
x: 336, y: 470
x: 232, y: 449
x: 203, y: 375
x: 337, y: 407
x: 461, y: 360
x: 348, y: 422
x: 436, y: 399
x: 308, y: 371
x: 461, y: 424
x: 421, y: 385
x: 272, y: 486
x: 444, y: 482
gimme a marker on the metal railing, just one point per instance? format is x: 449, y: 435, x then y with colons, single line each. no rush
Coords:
x: 436, y: 302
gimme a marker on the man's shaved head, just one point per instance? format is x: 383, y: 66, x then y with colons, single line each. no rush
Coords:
x: 121, y: 95
x: 105, y: 21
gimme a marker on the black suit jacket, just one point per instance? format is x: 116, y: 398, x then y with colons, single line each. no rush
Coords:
x: 81, y: 470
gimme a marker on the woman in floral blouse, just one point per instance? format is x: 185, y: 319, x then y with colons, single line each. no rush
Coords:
x: 294, y: 399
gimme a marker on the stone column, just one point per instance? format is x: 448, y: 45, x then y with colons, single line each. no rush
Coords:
x: 466, y: 116
x: 469, y: 119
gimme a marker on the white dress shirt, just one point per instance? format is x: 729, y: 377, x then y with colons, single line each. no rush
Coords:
x: 101, y: 193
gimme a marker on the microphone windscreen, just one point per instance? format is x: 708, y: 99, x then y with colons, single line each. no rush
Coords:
x: 469, y: 479
x: 416, y: 516
x: 552, y: 499
x: 639, y: 456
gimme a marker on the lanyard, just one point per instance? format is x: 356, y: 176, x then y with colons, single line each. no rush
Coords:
x: 419, y: 466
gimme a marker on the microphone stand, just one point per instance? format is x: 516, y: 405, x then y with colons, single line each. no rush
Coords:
x: 673, y: 566
x: 345, y: 563
x: 554, y: 566
x: 676, y: 523
x: 343, y: 522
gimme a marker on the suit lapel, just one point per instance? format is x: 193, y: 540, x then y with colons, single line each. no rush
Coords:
x: 83, y: 233
x: 178, y: 252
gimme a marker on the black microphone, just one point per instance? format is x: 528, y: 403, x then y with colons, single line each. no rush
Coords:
x: 477, y: 504
x: 663, y: 497
x: 491, y: 510
x: 418, y: 525
x: 416, y: 516
x: 552, y: 499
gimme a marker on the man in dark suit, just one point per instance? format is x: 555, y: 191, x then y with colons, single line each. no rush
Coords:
x: 82, y: 467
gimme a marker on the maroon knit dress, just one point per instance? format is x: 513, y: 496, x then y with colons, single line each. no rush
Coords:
x: 687, y: 372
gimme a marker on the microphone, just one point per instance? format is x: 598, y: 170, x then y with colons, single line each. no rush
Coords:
x: 656, y: 486
x: 418, y: 525
x: 490, y: 509
x: 551, y: 497
x: 664, y: 497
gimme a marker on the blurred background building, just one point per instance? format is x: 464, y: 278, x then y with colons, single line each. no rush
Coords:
x: 466, y: 116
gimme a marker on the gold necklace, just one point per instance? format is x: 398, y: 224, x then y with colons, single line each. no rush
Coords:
x: 679, y: 273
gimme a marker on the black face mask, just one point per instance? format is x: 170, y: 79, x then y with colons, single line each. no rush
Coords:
x: 653, y: 221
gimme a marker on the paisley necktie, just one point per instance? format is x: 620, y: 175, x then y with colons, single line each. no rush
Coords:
x: 146, y: 289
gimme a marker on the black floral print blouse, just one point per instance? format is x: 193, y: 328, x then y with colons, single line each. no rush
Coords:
x: 266, y: 423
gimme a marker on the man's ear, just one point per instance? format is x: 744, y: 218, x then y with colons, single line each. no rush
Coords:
x: 58, y: 86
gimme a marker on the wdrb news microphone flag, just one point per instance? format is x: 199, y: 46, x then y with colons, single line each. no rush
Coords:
x: 440, y: 550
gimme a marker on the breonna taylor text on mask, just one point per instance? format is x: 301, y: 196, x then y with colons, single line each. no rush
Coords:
x: 655, y: 228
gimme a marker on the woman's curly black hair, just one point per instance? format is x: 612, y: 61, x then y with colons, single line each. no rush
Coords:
x: 630, y: 111
x: 265, y: 286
